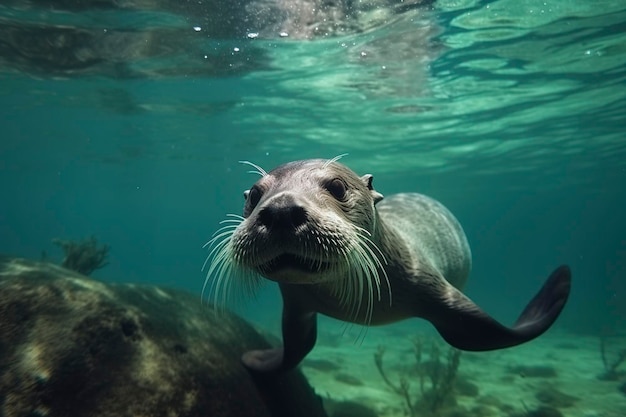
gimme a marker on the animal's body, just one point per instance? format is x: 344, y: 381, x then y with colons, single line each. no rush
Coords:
x: 337, y: 248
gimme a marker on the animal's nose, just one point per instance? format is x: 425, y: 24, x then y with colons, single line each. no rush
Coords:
x: 283, y: 212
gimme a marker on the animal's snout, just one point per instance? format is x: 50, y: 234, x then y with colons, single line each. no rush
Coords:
x: 283, y: 212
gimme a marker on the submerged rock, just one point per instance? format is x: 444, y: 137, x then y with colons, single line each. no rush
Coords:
x: 534, y: 371
x: 73, y: 346
x: 544, y: 411
x: 349, y: 409
x: 550, y: 396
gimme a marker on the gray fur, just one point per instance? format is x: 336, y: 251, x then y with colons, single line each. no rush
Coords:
x: 336, y: 247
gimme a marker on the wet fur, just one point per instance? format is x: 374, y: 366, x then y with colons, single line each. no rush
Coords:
x: 361, y: 259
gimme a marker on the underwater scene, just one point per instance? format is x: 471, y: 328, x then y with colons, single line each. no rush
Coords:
x: 163, y: 253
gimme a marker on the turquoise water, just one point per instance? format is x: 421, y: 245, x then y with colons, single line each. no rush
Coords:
x: 509, y: 112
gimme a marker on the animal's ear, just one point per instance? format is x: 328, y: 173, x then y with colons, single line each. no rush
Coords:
x: 367, y: 180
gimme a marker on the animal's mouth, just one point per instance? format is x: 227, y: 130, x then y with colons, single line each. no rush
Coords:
x: 288, y: 261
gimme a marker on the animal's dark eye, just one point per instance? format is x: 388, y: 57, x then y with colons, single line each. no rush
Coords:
x: 337, y: 189
x: 253, y: 196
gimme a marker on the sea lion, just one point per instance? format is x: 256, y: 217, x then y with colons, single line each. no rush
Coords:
x: 337, y: 248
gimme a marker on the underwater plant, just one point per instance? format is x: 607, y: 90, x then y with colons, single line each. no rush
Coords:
x: 437, y: 378
x: 611, y: 365
x: 83, y: 256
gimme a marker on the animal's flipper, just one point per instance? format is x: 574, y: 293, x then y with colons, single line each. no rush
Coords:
x: 299, y: 336
x: 465, y: 326
x: 268, y: 360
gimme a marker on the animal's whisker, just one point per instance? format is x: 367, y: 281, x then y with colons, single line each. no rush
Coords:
x: 227, y: 280
x: 358, y: 291
x: 335, y: 159
x: 259, y: 170
x: 374, y: 251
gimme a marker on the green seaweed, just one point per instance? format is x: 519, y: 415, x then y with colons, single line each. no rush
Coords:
x: 437, y: 378
x: 610, y: 362
x: 83, y: 256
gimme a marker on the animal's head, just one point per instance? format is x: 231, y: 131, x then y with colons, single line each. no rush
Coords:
x: 305, y: 222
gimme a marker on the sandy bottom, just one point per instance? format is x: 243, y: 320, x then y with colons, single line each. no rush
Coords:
x: 558, y: 371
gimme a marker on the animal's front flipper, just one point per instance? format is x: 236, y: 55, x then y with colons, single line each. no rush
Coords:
x: 465, y: 326
x: 267, y: 360
x: 299, y: 336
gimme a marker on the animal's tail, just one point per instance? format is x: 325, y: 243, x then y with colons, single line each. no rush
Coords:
x: 465, y: 326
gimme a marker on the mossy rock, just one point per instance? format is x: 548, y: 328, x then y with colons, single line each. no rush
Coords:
x: 72, y: 346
